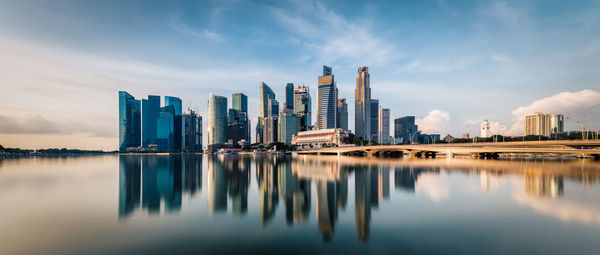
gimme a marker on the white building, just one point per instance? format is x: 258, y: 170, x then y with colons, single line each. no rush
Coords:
x: 331, y: 136
x: 384, y: 126
x: 485, y: 129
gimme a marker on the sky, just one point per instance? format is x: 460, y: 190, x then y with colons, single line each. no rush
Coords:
x: 451, y: 64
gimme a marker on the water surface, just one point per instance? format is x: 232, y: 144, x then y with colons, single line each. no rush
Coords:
x: 307, y: 204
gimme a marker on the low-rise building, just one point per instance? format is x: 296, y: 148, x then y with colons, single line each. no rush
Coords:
x: 331, y: 136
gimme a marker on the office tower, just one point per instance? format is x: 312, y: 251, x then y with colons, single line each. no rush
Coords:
x: 237, y: 127
x: 374, y: 120
x: 265, y: 93
x: 270, y: 130
x: 557, y: 123
x: 130, y: 128
x: 217, y: 119
x: 326, y: 100
x: 302, y: 107
x: 362, y: 99
x: 405, y: 129
x: 179, y: 138
x: 273, y: 108
x: 239, y: 102
x: 193, y: 132
x: 289, y: 124
x: 289, y: 96
x: 165, y: 130
x: 384, y: 125
x: 485, y: 129
x: 538, y: 124
x: 150, y: 109
x: 342, y: 114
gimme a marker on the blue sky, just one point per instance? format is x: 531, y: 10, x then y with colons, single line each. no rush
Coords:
x: 449, y: 63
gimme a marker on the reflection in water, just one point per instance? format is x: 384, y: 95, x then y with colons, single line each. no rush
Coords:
x: 156, y: 180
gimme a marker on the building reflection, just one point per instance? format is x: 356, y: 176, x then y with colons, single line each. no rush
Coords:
x: 266, y: 175
x: 544, y: 185
x: 405, y: 177
x: 149, y: 182
x: 295, y: 194
x: 238, y: 180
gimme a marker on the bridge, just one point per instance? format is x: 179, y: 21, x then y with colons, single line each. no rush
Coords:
x: 580, y: 148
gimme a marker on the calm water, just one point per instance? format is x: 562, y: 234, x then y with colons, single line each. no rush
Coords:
x: 307, y: 204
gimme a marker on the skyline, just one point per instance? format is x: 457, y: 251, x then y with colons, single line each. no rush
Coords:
x: 60, y: 76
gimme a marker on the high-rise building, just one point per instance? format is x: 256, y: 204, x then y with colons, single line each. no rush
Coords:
x: 265, y: 93
x: 165, y: 130
x: 557, y: 123
x: 179, y: 138
x: 384, y: 125
x: 302, y: 107
x: 289, y: 96
x: 326, y: 100
x: 289, y: 125
x: 485, y: 129
x: 217, y: 119
x: 405, y: 130
x: 362, y: 99
x: 342, y: 114
x: 237, y: 127
x: 374, y: 120
x: 193, y: 132
x: 239, y: 102
x: 150, y: 109
x: 537, y: 124
x: 270, y: 130
x: 273, y: 108
x: 130, y: 128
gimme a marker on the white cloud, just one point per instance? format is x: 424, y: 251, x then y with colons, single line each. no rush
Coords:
x: 564, y: 210
x: 582, y: 105
x: 436, y: 121
x: 180, y: 26
x: 342, y: 40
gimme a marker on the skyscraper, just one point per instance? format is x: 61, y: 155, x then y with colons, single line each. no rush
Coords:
x: 289, y: 124
x: 326, y: 100
x: 130, y: 128
x: 302, y: 106
x: 289, y: 96
x: 362, y: 99
x: 342, y: 114
x: 179, y: 138
x: 405, y: 129
x: 557, y: 123
x: 265, y: 93
x: 384, y: 125
x: 271, y: 122
x: 239, y: 102
x: 193, y: 131
x: 374, y: 120
x: 165, y: 130
x: 150, y: 109
x: 217, y: 119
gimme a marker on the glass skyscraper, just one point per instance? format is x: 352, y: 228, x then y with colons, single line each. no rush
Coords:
x: 239, y: 102
x: 289, y: 124
x: 405, y: 129
x: 217, y: 119
x: 342, y: 114
x: 266, y: 93
x: 130, y: 128
x: 179, y: 122
x: 302, y: 107
x: 374, y: 120
x: 289, y: 96
x: 150, y: 109
x: 326, y: 100
x: 384, y: 125
x: 165, y: 130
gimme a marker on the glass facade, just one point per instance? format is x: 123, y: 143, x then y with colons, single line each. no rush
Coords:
x: 302, y: 107
x: 404, y: 129
x: 326, y: 100
x: 179, y: 123
x: 150, y: 110
x: 130, y: 129
x: 362, y: 106
x: 342, y: 114
x: 374, y: 120
x: 289, y: 96
x: 193, y: 132
x: 289, y: 124
x: 165, y: 130
x: 217, y: 119
x: 239, y: 102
